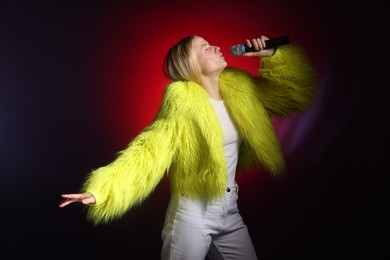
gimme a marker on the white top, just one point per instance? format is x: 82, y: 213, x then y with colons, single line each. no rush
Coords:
x: 231, y: 139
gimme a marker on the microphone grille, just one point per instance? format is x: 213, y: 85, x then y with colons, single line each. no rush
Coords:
x: 236, y: 50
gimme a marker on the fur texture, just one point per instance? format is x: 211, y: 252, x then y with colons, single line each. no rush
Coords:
x: 186, y: 140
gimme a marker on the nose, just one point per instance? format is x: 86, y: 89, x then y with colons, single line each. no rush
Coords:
x: 217, y: 49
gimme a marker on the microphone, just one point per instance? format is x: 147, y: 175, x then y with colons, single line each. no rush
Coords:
x: 239, y: 49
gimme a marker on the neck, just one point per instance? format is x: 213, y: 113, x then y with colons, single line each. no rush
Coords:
x: 211, y: 85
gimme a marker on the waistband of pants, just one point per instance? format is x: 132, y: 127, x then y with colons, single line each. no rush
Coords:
x: 231, y: 188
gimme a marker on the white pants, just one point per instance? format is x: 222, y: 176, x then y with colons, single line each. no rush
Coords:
x: 196, y: 228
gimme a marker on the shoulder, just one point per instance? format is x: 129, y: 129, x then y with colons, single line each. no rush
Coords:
x: 182, y: 97
x: 184, y: 89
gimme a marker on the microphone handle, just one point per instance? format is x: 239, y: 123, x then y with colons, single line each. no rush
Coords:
x: 271, y: 43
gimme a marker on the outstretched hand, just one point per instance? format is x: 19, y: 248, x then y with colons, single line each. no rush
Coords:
x: 84, y: 198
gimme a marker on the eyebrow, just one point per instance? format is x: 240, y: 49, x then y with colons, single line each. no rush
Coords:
x: 204, y: 45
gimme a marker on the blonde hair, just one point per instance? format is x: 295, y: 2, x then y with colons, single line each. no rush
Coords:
x: 181, y: 62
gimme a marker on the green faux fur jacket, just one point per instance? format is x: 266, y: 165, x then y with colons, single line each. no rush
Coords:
x: 185, y: 139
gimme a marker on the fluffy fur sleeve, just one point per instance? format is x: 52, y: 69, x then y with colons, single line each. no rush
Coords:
x: 287, y: 83
x: 136, y: 171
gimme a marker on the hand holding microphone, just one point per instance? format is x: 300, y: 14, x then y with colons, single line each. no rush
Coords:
x: 261, y: 46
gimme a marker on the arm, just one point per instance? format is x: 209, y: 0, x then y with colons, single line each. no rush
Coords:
x: 112, y: 190
x: 287, y: 82
x: 133, y: 175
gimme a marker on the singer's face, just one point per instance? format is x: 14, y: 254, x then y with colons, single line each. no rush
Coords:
x: 210, y: 58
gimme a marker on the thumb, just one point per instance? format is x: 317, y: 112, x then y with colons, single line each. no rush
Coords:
x: 87, y: 201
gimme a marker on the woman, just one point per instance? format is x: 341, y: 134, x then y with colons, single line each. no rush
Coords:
x: 212, y: 120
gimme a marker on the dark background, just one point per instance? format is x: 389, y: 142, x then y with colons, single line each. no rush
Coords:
x: 79, y: 80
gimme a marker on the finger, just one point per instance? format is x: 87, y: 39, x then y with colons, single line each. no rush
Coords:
x: 73, y: 196
x: 255, y: 44
x: 67, y: 196
x: 262, y: 40
x: 248, y: 43
x: 65, y: 203
x: 260, y: 43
